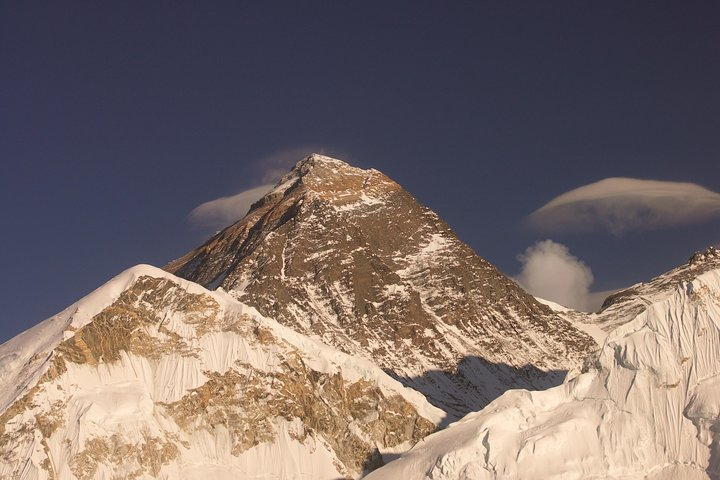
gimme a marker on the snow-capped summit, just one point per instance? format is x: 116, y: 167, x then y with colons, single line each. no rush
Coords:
x: 348, y: 256
x: 626, y: 304
x: 153, y: 376
x: 333, y: 180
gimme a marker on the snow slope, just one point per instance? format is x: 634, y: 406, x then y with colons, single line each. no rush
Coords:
x: 153, y: 376
x: 646, y: 406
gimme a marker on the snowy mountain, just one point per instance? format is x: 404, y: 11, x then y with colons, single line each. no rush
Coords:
x: 152, y: 376
x: 647, y: 405
x: 347, y: 256
x: 338, y: 325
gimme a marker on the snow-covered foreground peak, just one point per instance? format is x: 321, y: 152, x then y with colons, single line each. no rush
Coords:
x: 24, y: 357
x: 153, y: 376
x: 347, y: 256
x: 646, y: 407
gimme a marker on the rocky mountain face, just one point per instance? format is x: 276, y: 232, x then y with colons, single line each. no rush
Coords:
x: 348, y: 257
x: 152, y: 376
x: 647, y: 405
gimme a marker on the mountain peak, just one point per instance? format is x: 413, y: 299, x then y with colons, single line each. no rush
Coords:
x: 711, y: 254
x: 333, y: 181
x: 633, y: 300
x: 347, y: 255
x: 152, y: 376
x: 320, y: 159
x: 646, y: 405
x: 318, y: 164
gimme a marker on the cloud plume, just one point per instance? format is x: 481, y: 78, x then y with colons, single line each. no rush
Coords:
x: 551, y: 272
x: 221, y: 212
x: 625, y: 204
x: 224, y: 211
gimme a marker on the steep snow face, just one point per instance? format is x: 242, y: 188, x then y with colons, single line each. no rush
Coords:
x: 152, y: 376
x: 647, y: 405
x: 349, y: 257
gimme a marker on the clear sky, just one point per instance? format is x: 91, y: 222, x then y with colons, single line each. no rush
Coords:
x: 117, y: 119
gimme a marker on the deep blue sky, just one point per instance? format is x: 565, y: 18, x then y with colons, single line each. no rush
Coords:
x: 118, y: 118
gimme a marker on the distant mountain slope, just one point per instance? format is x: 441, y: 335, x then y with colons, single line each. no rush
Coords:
x: 350, y: 257
x: 152, y: 376
x: 647, y: 406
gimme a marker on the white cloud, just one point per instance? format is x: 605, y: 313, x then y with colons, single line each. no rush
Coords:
x: 623, y: 204
x: 221, y: 212
x: 551, y: 272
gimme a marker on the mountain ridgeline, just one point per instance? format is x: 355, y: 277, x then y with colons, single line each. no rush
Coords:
x: 336, y: 332
x: 152, y: 376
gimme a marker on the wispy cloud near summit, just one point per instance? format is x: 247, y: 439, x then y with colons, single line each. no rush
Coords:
x: 224, y: 211
x: 618, y: 205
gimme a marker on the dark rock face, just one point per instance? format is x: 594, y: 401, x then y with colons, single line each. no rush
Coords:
x: 348, y: 256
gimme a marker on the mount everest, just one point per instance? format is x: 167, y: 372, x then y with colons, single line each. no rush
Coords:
x: 349, y: 257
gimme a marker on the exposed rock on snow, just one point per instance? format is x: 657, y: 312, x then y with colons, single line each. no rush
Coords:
x: 152, y: 376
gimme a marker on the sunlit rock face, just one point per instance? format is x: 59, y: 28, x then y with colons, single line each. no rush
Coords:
x: 348, y: 256
x: 152, y: 376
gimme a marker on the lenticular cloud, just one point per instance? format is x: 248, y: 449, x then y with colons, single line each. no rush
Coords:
x: 625, y: 204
